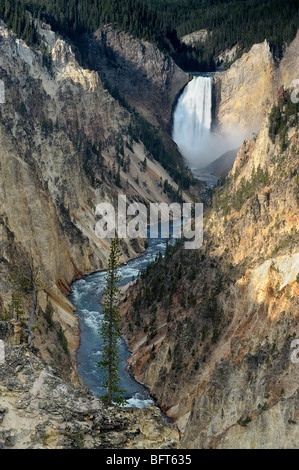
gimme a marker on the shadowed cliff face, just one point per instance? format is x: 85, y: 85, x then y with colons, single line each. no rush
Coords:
x: 211, y: 330
x: 144, y: 76
x: 62, y: 139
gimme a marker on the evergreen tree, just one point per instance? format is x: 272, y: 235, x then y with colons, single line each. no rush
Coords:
x: 26, y: 282
x: 111, y: 328
x: 117, y: 178
x: 163, y: 22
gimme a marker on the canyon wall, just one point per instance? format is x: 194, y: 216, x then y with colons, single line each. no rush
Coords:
x: 148, y: 80
x: 211, y: 330
x: 64, y: 140
x: 246, y: 91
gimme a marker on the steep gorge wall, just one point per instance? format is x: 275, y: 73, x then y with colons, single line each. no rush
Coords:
x: 246, y: 91
x: 60, y: 129
x: 221, y: 368
x: 213, y: 342
x: 144, y: 76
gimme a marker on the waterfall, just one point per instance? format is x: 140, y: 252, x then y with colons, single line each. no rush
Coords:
x: 192, y: 121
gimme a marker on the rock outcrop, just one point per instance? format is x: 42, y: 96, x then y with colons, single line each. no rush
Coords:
x: 246, y: 91
x: 197, y: 37
x: 38, y: 410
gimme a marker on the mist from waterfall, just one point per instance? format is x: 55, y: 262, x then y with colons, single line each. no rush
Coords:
x: 192, y: 122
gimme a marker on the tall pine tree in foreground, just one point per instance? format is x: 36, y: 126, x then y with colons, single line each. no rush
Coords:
x: 111, y: 328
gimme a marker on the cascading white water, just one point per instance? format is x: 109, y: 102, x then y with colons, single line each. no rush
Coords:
x: 192, y: 120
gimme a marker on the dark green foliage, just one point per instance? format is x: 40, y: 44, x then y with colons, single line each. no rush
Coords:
x: 93, y: 162
x: 111, y: 328
x: 15, y: 308
x: 26, y: 283
x: 177, y: 358
x: 47, y: 126
x: 63, y: 341
x: 117, y: 177
x: 283, y: 115
x: 204, y: 332
x: 49, y: 315
x: 244, y: 421
x: 13, y: 12
x: 243, y: 22
x: 144, y: 164
x: 152, y: 354
x: 117, y: 95
x: 275, y: 122
x: 192, y: 300
x: 162, y: 22
x: 227, y: 201
x: 47, y: 59
x: 247, y: 189
x: 174, y: 195
x: 162, y: 282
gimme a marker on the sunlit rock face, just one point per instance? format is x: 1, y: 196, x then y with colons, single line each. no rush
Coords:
x: 246, y: 91
x: 216, y: 113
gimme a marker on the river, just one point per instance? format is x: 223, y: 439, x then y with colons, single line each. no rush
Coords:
x: 86, y: 294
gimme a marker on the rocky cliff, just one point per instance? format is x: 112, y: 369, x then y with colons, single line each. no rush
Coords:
x: 246, y: 91
x: 148, y: 80
x: 195, y: 38
x: 65, y: 145
x: 211, y: 330
x: 38, y: 410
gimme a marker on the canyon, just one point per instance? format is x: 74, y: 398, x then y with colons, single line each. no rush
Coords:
x: 213, y: 343
x: 63, y: 136
x: 215, y: 353
x: 60, y: 130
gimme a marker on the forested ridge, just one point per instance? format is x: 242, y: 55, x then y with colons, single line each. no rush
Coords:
x: 163, y: 22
